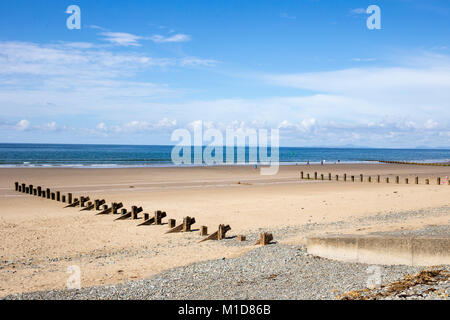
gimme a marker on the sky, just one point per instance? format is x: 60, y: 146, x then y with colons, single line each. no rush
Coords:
x: 137, y: 70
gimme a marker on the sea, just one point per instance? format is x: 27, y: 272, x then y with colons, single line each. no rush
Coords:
x: 118, y: 156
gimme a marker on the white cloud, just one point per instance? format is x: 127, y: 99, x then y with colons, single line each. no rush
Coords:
x: 173, y: 38
x: 134, y: 126
x: 121, y: 38
x: 430, y: 124
x: 23, y: 125
x: 61, y: 79
x: 365, y: 93
x: 363, y: 59
x: 192, y: 61
x: 358, y: 11
x: 102, y: 126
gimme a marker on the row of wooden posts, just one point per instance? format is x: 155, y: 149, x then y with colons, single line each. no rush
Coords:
x: 99, y: 205
x: 438, y: 164
x: 316, y: 176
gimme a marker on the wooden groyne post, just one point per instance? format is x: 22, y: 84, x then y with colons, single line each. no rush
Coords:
x: 265, y: 238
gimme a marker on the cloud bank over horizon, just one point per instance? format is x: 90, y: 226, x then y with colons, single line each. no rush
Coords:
x: 137, y: 87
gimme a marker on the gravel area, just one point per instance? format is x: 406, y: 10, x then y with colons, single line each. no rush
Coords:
x: 428, y: 231
x: 270, y: 272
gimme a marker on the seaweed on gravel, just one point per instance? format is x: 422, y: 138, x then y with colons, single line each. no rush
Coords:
x: 424, y: 277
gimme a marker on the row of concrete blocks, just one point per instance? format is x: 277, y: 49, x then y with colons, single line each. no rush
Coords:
x: 99, y: 205
x: 361, y: 178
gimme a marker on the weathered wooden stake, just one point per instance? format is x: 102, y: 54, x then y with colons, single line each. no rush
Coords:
x: 158, y: 217
x: 321, y: 176
x: 417, y: 180
x: 406, y: 181
x: 187, y: 224
x: 23, y: 187
x: 34, y: 192
x: 308, y: 177
x: 345, y: 177
x: 171, y: 223
x: 353, y: 178
x: 361, y: 178
x: 397, y: 179
x: 98, y: 203
x: 48, y: 193
x: 329, y: 176
x: 184, y: 227
x: 387, y: 179
x: 16, y: 184
x: 378, y: 178
x: 427, y: 181
x: 63, y: 198
x: 39, y: 191
x: 370, y: 178
x: 31, y: 189
x: 134, y: 213
x: 219, y: 234
x: 265, y: 238
x: 337, y: 177
x: 438, y: 180
x: 58, y: 195
x: 301, y: 174
x: 69, y: 198
x: 203, y: 230
x: 241, y: 238
x: 115, y: 208
x: 222, y: 230
x: 27, y: 190
x: 53, y: 196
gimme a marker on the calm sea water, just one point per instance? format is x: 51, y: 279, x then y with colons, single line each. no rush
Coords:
x: 89, y: 156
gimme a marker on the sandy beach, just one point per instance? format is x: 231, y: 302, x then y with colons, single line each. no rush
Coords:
x: 40, y: 239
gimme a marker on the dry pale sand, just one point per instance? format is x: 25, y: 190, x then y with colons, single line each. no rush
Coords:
x: 40, y: 239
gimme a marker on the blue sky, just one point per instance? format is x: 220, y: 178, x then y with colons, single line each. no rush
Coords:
x: 137, y: 70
